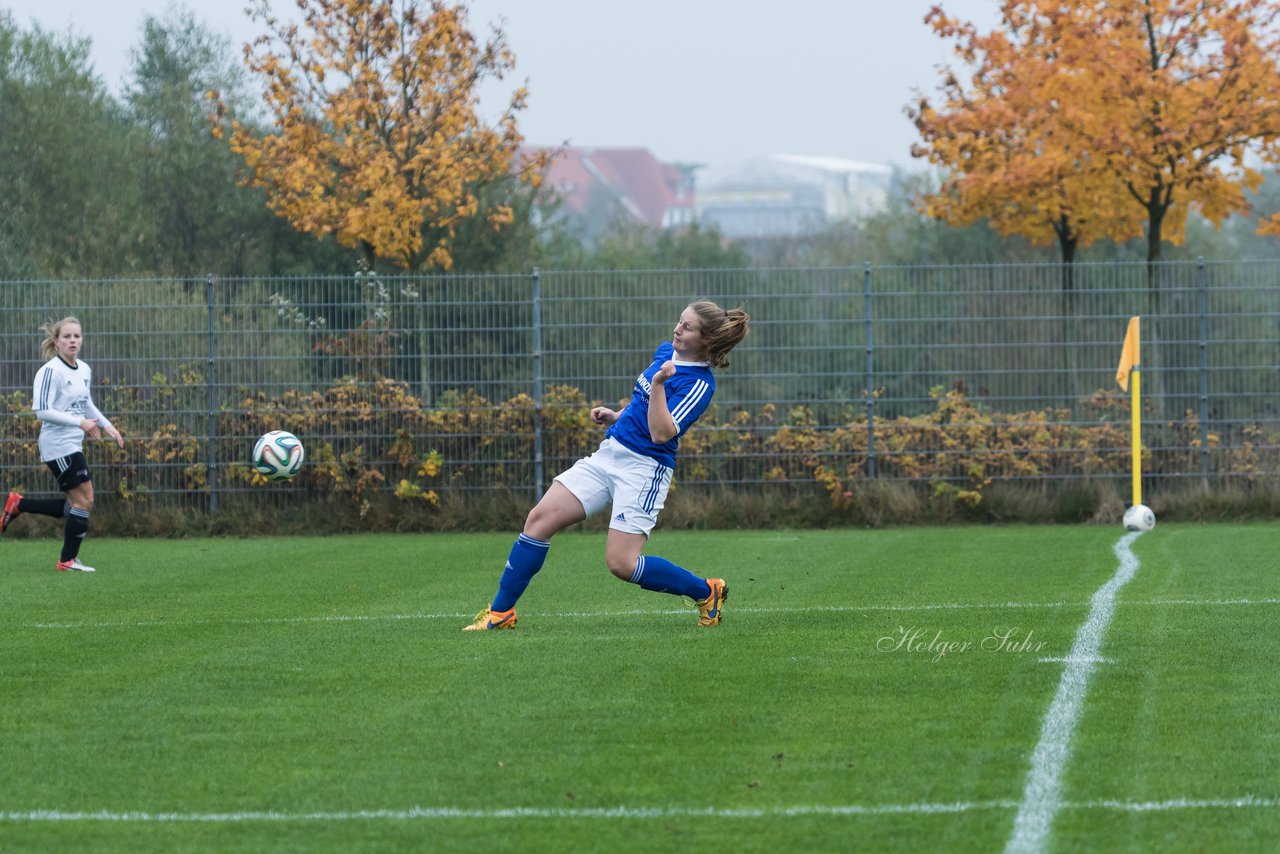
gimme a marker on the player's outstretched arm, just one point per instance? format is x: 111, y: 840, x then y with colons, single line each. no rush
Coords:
x: 604, y: 415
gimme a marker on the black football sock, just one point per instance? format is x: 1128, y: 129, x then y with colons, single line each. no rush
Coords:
x: 43, y: 506
x: 73, y: 533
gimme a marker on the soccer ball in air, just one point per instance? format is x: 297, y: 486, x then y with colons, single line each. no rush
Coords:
x: 278, y: 455
x: 1139, y: 518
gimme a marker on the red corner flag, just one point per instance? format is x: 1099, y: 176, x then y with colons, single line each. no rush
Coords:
x: 1129, y: 355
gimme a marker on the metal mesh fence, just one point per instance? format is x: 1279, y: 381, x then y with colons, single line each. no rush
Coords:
x: 474, y: 383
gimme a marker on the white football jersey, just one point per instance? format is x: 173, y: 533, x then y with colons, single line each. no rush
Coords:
x: 61, y: 400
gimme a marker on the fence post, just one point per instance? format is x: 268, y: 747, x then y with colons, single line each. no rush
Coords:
x: 1201, y: 287
x: 213, y: 399
x: 871, y: 375
x: 537, y: 384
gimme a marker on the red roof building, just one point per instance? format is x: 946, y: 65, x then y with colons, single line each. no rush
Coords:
x: 606, y: 183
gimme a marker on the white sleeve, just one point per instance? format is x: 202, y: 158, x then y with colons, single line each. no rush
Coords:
x: 92, y: 411
x: 41, y: 396
x: 57, y: 416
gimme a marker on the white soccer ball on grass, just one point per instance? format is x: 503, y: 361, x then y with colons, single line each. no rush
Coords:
x: 1139, y: 518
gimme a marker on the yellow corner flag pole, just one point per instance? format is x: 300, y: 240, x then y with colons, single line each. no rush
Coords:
x: 1130, y: 365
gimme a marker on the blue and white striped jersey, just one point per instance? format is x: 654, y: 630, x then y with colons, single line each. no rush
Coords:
x: 689, y: 394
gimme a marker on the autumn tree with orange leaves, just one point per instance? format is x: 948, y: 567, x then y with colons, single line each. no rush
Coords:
x: 1101, y: 120
x: 377, y: 138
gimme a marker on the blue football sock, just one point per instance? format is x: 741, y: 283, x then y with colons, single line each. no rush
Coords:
x: 523, y: 564
x: 663, y: 576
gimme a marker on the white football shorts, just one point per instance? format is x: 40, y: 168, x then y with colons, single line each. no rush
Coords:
x: 636, y: 484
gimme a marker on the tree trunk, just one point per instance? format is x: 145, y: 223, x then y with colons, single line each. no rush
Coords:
x: 1155, y: 223
x: 1068, y: 242
x: 1152, y: 383
x: 367, y: 255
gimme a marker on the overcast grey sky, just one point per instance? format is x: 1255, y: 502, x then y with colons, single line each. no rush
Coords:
x: 691, y: 80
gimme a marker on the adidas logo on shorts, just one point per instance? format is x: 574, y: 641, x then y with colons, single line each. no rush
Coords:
x: 621, y: 517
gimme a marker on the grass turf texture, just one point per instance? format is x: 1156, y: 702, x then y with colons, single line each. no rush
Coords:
x: 260, y: 694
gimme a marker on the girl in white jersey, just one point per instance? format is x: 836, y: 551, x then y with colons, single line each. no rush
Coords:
x: 61, y: 399
x: 632, y: 470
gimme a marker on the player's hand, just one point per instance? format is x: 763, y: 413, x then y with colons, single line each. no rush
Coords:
x: 666, y: 372
x: 115, y: 434
x: 90, y: 428
x: 603, y: 415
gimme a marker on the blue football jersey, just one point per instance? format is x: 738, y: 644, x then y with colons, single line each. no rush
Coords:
x: 689, y: 393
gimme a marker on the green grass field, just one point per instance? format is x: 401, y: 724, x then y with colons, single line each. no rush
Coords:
x: 319, y: 695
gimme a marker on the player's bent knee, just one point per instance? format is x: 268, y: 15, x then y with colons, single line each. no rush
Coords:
x: 540, y: 525
x: 558, y: 509
x: 621, y: 567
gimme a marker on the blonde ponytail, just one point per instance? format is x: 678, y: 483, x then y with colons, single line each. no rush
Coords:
x: 721, y: 330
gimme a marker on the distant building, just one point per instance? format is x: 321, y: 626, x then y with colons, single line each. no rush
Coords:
x: 599, y: 186
x: 784, y: 195
x: 774, y: 196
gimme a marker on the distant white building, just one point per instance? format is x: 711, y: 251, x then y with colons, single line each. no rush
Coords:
x: 784, y: 194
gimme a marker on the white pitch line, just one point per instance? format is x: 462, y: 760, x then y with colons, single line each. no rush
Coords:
x: 1042, y: 797
x: 593, y: 813
x: 1246, y: 802
x: 510, y: 812
x: 639, y: 612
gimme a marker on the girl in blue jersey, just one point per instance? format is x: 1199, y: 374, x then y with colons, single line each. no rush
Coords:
x: 631, y: 471
x: 61, y: 400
